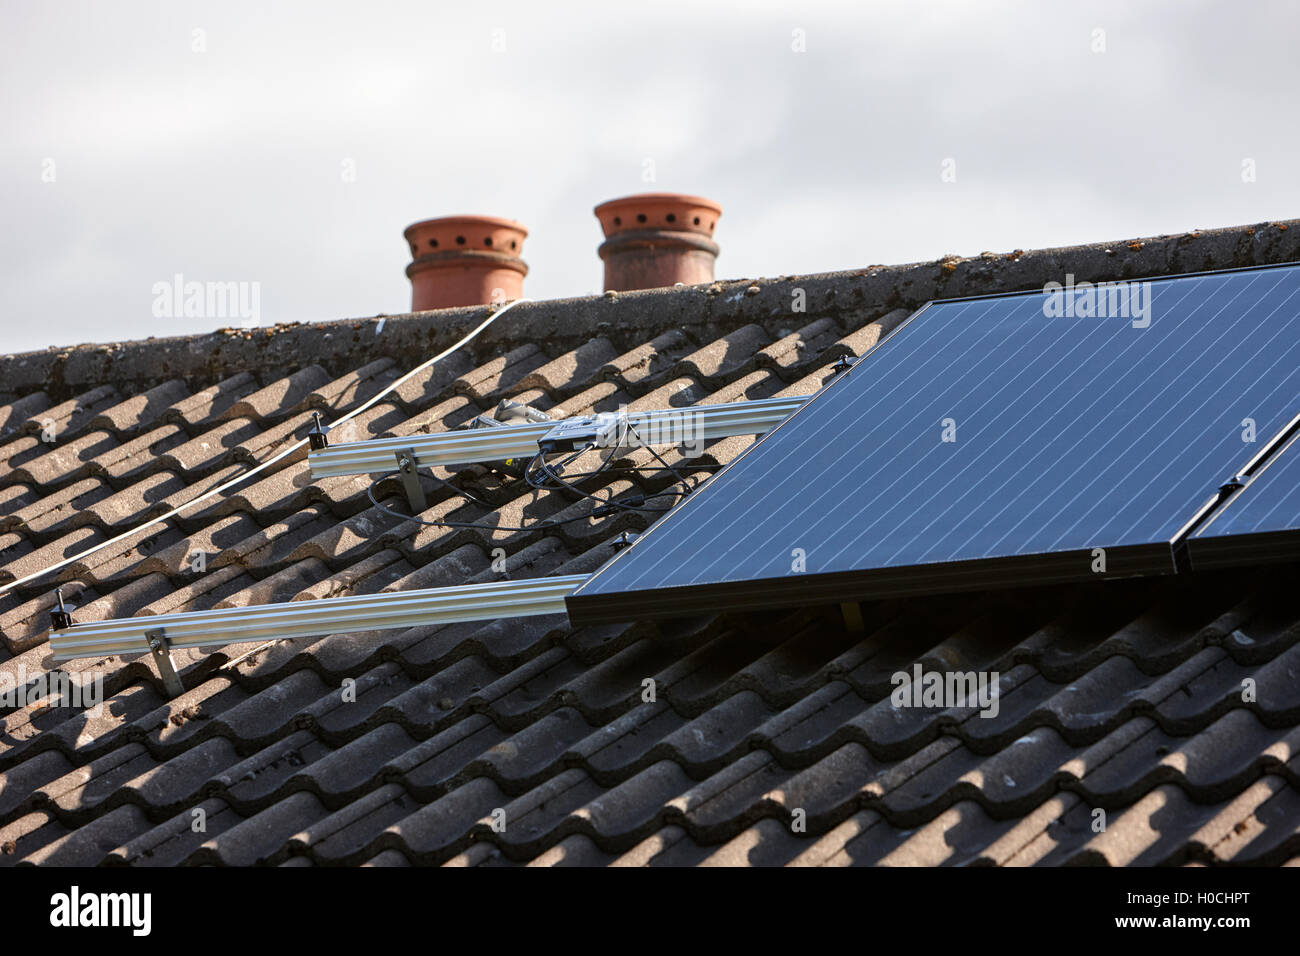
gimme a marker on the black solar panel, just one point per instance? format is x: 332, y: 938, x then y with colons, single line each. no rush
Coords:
x: 988, y: 442
x: 1260, y: 523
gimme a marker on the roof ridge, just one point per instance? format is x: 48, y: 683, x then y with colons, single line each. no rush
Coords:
x: 628, y: 318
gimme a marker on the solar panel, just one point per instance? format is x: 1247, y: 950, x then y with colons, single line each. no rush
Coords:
x: 994, y: 441
x: 1260, y: 522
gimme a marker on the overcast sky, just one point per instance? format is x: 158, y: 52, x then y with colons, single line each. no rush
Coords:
x: 289, y: 144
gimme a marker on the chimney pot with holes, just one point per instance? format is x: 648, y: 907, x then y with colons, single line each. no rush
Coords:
x: 465, y: 260
x: 657, y: 239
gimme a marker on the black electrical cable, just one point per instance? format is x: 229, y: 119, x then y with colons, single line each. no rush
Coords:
x: 604, y: 506
x: 460, y: 491
x: 539, y: 461
x: 549, y: 523
x: 601, y: 510
x: 659, y: 458
x: 605, y: 468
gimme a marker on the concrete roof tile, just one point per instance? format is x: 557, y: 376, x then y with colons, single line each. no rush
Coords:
x: 576, y: 365
x: 280, y: 397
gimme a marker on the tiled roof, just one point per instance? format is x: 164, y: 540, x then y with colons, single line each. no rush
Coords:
x: 771, y: 739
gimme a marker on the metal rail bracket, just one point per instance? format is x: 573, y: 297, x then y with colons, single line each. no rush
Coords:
x: 162, y: 657
x: 406, y: 465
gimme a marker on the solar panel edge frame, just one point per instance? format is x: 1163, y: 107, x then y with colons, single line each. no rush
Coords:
x: 1243, y: 550
x: 795, y: 590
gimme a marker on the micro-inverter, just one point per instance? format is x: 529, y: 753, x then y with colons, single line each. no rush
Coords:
x: 606, y: 430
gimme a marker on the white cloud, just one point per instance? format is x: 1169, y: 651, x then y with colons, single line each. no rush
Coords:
x: 225, y: 164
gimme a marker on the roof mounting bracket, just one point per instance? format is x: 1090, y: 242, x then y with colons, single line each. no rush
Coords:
x: 316, y: 438
x: 161, y: 652
x: 406, y: 465
x: 507, y: 412
x: 60, y: 617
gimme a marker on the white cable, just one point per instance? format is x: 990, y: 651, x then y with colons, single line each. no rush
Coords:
x: 270, y: 461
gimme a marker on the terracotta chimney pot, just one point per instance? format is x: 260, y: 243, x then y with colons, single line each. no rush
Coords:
x: 657, y: 239
x: 465, y: 260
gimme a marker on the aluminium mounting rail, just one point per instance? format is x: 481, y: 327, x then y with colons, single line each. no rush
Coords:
x: 467, y: 446
x: 316, y: 618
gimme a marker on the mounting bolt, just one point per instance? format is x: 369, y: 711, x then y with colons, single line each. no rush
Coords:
x: 60, y: 619
x: 624, y: 540
x: 316, y: 437
x: 842, y: 364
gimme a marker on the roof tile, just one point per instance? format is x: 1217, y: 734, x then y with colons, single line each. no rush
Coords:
x: 635, y: 370
x: 578, y: 365
x: 18, y: 412
x: 494, y: 376
x: 136, y: 413
x: 281, y: 397
x: 211, y: 404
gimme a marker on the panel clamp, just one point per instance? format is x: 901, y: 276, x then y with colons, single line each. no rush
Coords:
x: 625, y: 540
x: 1234, y: 483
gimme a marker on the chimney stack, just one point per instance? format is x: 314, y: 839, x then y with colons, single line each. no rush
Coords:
x: 465, y: 260
x: 657, y: 239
